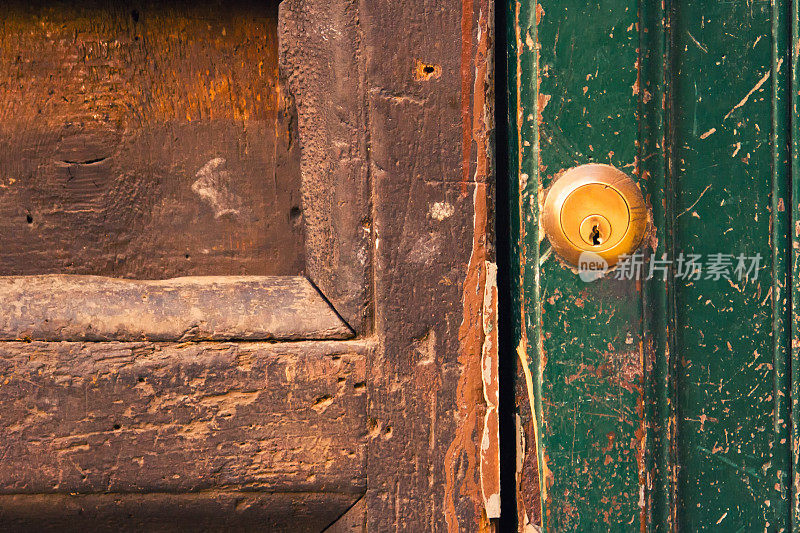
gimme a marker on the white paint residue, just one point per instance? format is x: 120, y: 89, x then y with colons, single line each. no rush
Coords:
x: 425, y: 249
x: 490, y: 448
x: 442, y: 210
x: 523, y: 181
x: 493, y: 506
x: 213, y: 186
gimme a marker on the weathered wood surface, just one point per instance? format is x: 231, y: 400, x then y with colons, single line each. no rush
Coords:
x: 321, y: 57
x: 395, y: 130
x: 146, y: 140
x: 244, y: 512
x: 353, y: 521
x: 402, y: 86
x: 94, y: 308
x: 143, y: 417
x: 427, y: 72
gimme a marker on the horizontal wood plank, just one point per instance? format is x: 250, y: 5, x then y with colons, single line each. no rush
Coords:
x: 214, y: 511
x: 142, y: 417
x: 94, y: 308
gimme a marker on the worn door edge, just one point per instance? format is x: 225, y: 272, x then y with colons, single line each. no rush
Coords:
x: 524, y: 118
x: 794, y: 98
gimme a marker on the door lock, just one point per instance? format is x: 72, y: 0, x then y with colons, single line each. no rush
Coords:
x: 594, y: 208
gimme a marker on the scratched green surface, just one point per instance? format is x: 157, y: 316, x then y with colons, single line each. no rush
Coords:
x: 523, y: 136
x: 588, y: 362
x: 688, y: 98
x: 794, y: 93
x: 731, y: 336
x: 591, y: 371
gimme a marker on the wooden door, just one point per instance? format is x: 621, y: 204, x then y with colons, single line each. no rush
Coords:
x: 151, y: 207
x: 246, y: 270
x: 662, y: 400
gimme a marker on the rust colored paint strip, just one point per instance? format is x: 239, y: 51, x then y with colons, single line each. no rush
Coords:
x: 480, y: 481
x: 466, y: 82
x: 469, y: 389
x: 481, y: 126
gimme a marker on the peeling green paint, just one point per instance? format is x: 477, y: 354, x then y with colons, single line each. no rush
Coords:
x: 664, y: 404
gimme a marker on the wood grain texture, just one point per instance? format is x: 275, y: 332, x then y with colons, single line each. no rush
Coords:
x: 396, y: 158
x: 146, y: 139
x: 321, y: 57
x: 174, y: 513
x: 432, y: 186
x: 94, y: 308
x: 143, y: 417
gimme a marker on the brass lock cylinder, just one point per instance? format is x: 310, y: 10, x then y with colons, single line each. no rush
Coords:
x: 597, y: 209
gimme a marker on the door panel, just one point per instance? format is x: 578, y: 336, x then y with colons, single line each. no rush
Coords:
x: 730, y: 139
x: 254, y: 512
x: 250, y: 435
x: 794, y: 280
x: 146, y: 140
x: 146, y: 136
x: 587, y: 361
x: 659, y: 403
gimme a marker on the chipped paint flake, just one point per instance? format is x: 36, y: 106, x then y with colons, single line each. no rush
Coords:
x: 757, y: 86
x: 441, y: 210
x: 709, y: 133
x: 490, y: 445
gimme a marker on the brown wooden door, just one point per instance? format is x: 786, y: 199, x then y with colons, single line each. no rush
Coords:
x: 244, y: 284
x: 156, y: 141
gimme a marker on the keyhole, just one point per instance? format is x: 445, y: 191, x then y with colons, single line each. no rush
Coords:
x: 595, y: 231
x: 595, y: 236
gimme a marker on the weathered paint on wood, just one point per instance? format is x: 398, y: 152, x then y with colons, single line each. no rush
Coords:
x: 146, y: 140
x: 523, y: 211
x: 581, y: 342
x: 655, y: 160
x: 794, y: 229
x: 429, y: 130
x: 94, y: 308
x: 660, y: 405
x: 730, y: 173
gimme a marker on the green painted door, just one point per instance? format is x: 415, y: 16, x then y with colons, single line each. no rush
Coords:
x: 661, y: 399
